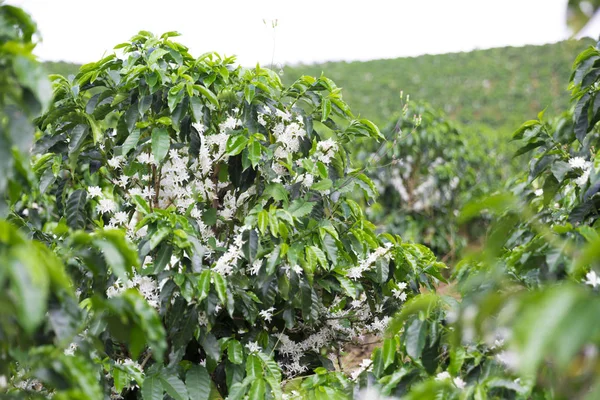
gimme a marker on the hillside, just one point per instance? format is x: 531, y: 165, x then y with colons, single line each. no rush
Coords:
x: 499, y: 88
x: 61, y: 68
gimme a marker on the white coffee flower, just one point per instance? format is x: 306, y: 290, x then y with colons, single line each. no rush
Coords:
x: 579, y: 162
x: 94, y: 191
x: 106, y: 206
x: 253, y: 347
x: 582, y: 180
x: 592, y: 279
x: 443, y: 376
x: 70, y: 351
x: 267, y: 314
x: 116, y: 161
x: 459, y: 382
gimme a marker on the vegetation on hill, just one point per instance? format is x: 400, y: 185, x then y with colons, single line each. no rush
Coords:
x: 61, y: 68
x: 497, y: 88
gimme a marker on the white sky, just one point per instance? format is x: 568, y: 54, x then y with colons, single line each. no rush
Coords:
x: 308, y: 30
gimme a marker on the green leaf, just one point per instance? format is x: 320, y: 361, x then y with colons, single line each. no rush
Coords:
x: 160, y: 143
x: 152, y: 389
x: 163, y: 257
x: 197, y: 107
x: 325, y: 109
x: 137, y: 323
x: 47, y: 180
x: 220, y: 286
x: 155, y: 239
x: 204, y: 285
x: 76, y: 209
x: 249, y: 92
x: 114, y: 258
x: 197, y: 381
x: 322, y: 185
x: 141, y: 204
x: 208, y: 94
x: 131, y: 141
x: 257, y: 390
x: 263, y: 221
x: 253, y: 366
x: 388, y: 352
x: 235, y: 352
x: 330, y: 247
x: 236, y: 144
x: 416, y: 334
x: 321, y: 259
x: 378, y: 365
x: 78, y: 136
x: 347, y: 285
x: 250, y: 247
x: 210, y: 216
x: 537, y: 332
x: 273, y: 259
x: 96, y: 130
x: 277, y: 192
x: 174, y: 387
x: 457, y: 359
x: 211, y: 347
x: 271, y: 366
x: 144, y: 104
x: 518, y: 134
x: 300, y: 208
x: 238, y: 390
x: 121, y: 378
x: 254, y: 152
x: 30, y: 284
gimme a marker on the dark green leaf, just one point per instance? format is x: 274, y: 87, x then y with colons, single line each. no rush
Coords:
x: 174, y: 387
x: 75, y: 209
x: 198, y: 383
x: 152, y: 389
x: 160, y: 143
x: 235, y: 352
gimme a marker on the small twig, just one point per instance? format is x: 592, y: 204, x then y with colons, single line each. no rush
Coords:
x: 339, y: 359
x: 145, y: 360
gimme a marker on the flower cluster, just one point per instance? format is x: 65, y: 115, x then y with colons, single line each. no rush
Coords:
x: 579, y: 163
x: 458, y: 382
x: 364, y: 265
x: 146, y: 285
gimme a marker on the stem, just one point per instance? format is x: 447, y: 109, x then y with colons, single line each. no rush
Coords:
x: 145, y: 360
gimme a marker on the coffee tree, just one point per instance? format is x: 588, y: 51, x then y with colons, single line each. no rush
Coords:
x: 425, y: 172
x: 205, y: 215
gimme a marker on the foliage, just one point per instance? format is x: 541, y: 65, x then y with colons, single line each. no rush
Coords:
x: 522, y: 323
x: 426, y: 171
x: 24, y: 90
x: 234, y: 192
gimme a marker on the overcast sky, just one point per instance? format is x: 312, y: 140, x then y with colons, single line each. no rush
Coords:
x: 307, y: 30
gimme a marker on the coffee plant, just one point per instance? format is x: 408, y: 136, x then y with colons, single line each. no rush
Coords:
x: 203, y: 215
x: 425, y: 172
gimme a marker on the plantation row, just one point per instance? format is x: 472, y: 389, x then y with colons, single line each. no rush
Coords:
x: 482, y: 89
x: 185, y: 228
